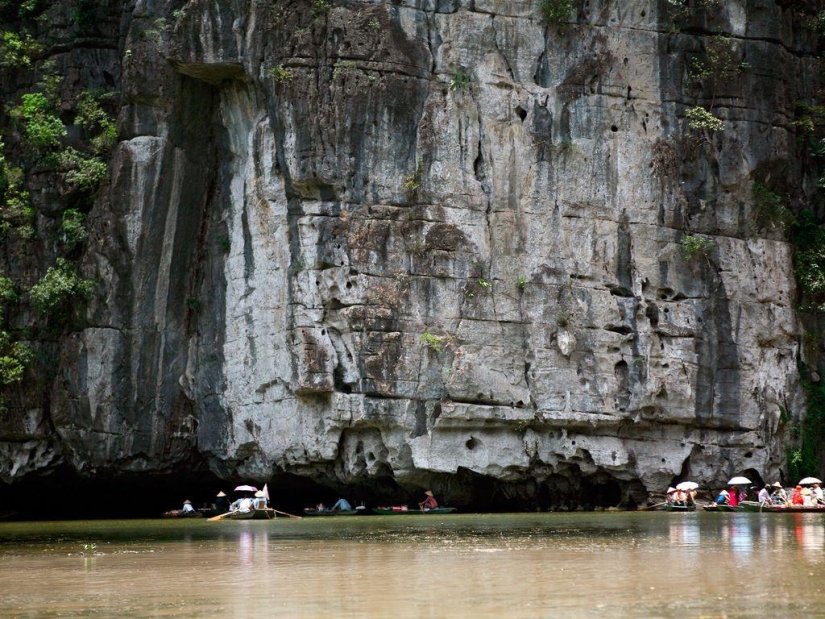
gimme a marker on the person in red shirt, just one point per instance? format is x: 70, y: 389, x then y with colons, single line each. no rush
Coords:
x: 797, y: 498
x: 429, y: 502
x: 733, y: 500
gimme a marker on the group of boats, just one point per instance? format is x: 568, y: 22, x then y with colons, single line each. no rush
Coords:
x: 397, y: 510
x: 253, y: 504
x: 682, y: 499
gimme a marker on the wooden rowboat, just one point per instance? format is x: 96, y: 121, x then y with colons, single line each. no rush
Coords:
x: 177, y: 513
x: 266, y: 513
x: 680, y: 508
x: 314, y: 512
x: 717, y: 507
x: 403, y: 509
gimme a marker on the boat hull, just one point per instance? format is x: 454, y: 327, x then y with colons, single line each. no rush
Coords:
x: 680, y: 508
x: 398, y: 511
x: 254, y: 514
x: 322, y: 513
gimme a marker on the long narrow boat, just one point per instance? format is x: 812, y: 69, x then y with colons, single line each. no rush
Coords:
x: 716, y: 507
x: 179, y: 513
x: 266, y: 513
x: 315, y: 512
x: 794, y: 509
x: 403, y: 509
x: 680, y: 508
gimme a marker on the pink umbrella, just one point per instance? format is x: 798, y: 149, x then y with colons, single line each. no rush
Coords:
x: 246, y: 489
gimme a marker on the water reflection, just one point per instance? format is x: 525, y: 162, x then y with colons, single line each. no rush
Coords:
x: 482, y: 566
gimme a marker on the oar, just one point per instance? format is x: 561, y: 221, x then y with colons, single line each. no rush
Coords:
x: 652, y: 506
x: 285, y: 514
x: 218, y: 517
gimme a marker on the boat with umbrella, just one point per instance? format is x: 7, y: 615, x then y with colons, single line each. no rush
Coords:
x: 688, y: 505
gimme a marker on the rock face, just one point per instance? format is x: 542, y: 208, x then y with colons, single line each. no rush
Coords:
x: 437, y: 243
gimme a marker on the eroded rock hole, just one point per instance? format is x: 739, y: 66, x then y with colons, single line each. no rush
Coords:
x: 521, y: 112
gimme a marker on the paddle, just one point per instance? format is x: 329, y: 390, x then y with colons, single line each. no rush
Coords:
x: 218, y: 517
x: 652, y: 506
x: 285, y: 514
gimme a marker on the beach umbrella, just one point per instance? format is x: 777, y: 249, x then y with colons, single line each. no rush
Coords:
x: 810, y: 480
x: 687, y: 485
x: 246, y: 489
x: 739, y: 481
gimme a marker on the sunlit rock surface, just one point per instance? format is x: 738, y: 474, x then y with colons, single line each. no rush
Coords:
x: 437, y: 242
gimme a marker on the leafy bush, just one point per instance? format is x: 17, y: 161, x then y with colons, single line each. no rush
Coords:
x: 557, y: 12
x: 694, y: 246
x: 8, y: 292
x: 432, y: 341
x: 809, y: 260
x: 16, y: 213
x: 810, y: 434
x: 14, y: 357
x: 16, y: 51
x: 74, y: 232
x: 769, y: 210
x: 60, y: 286
x: 44, y: 129
x: 699, y: 119
x: 93, y: 118
x: 281, y: 74
x: 83, y: 172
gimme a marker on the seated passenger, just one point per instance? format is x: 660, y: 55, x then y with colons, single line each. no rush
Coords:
x: 778, y: 495
x: 670, y: 497
x: 733, y: 497
x: 341, y: 505
x: 429, y: 502
x: 797, y: 499
x: 764, y: 495
x: 260, y: 500
x: 187, y: 507
x: 723, y: 498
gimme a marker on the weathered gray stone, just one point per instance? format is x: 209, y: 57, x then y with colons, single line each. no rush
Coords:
x: 452, y: 168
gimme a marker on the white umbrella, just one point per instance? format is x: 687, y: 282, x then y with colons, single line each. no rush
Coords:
x: 739, y: 481
x: 810, y: 480
x: 687, y: 485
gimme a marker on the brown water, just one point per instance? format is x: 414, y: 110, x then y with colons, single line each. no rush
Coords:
x: 504, y: 565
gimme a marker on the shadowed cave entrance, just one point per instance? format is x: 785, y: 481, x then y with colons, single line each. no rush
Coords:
x: 64, y: 495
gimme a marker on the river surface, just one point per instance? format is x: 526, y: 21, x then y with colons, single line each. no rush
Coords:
x: 501, y: 565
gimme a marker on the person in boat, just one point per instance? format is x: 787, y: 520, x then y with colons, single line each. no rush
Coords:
x: 221, y: 503
x: 764, y: 495
x: 778, y: 494
x: 259, y: 502
x: 818, y: 495
x: 680, y: 498
x: 723, y: 498
x: 244, y: 505
x: 796, y: 498
x: 429, y: 501
x: 807, y: 497
x: 733, y: 497
x: 187, y: 507
x: 341, y: 505
x: 671, y: 495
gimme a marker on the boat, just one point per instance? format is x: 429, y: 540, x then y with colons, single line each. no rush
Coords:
x: 179, y: 513
x: 264, y: 513
x: 794, y: 509
x: 400, y: 510
x: 314, y: 511
x: 680, y: 508
x: 719, y: 507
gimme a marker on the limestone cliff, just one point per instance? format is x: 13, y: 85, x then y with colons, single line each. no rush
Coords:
x: 436, y: 243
